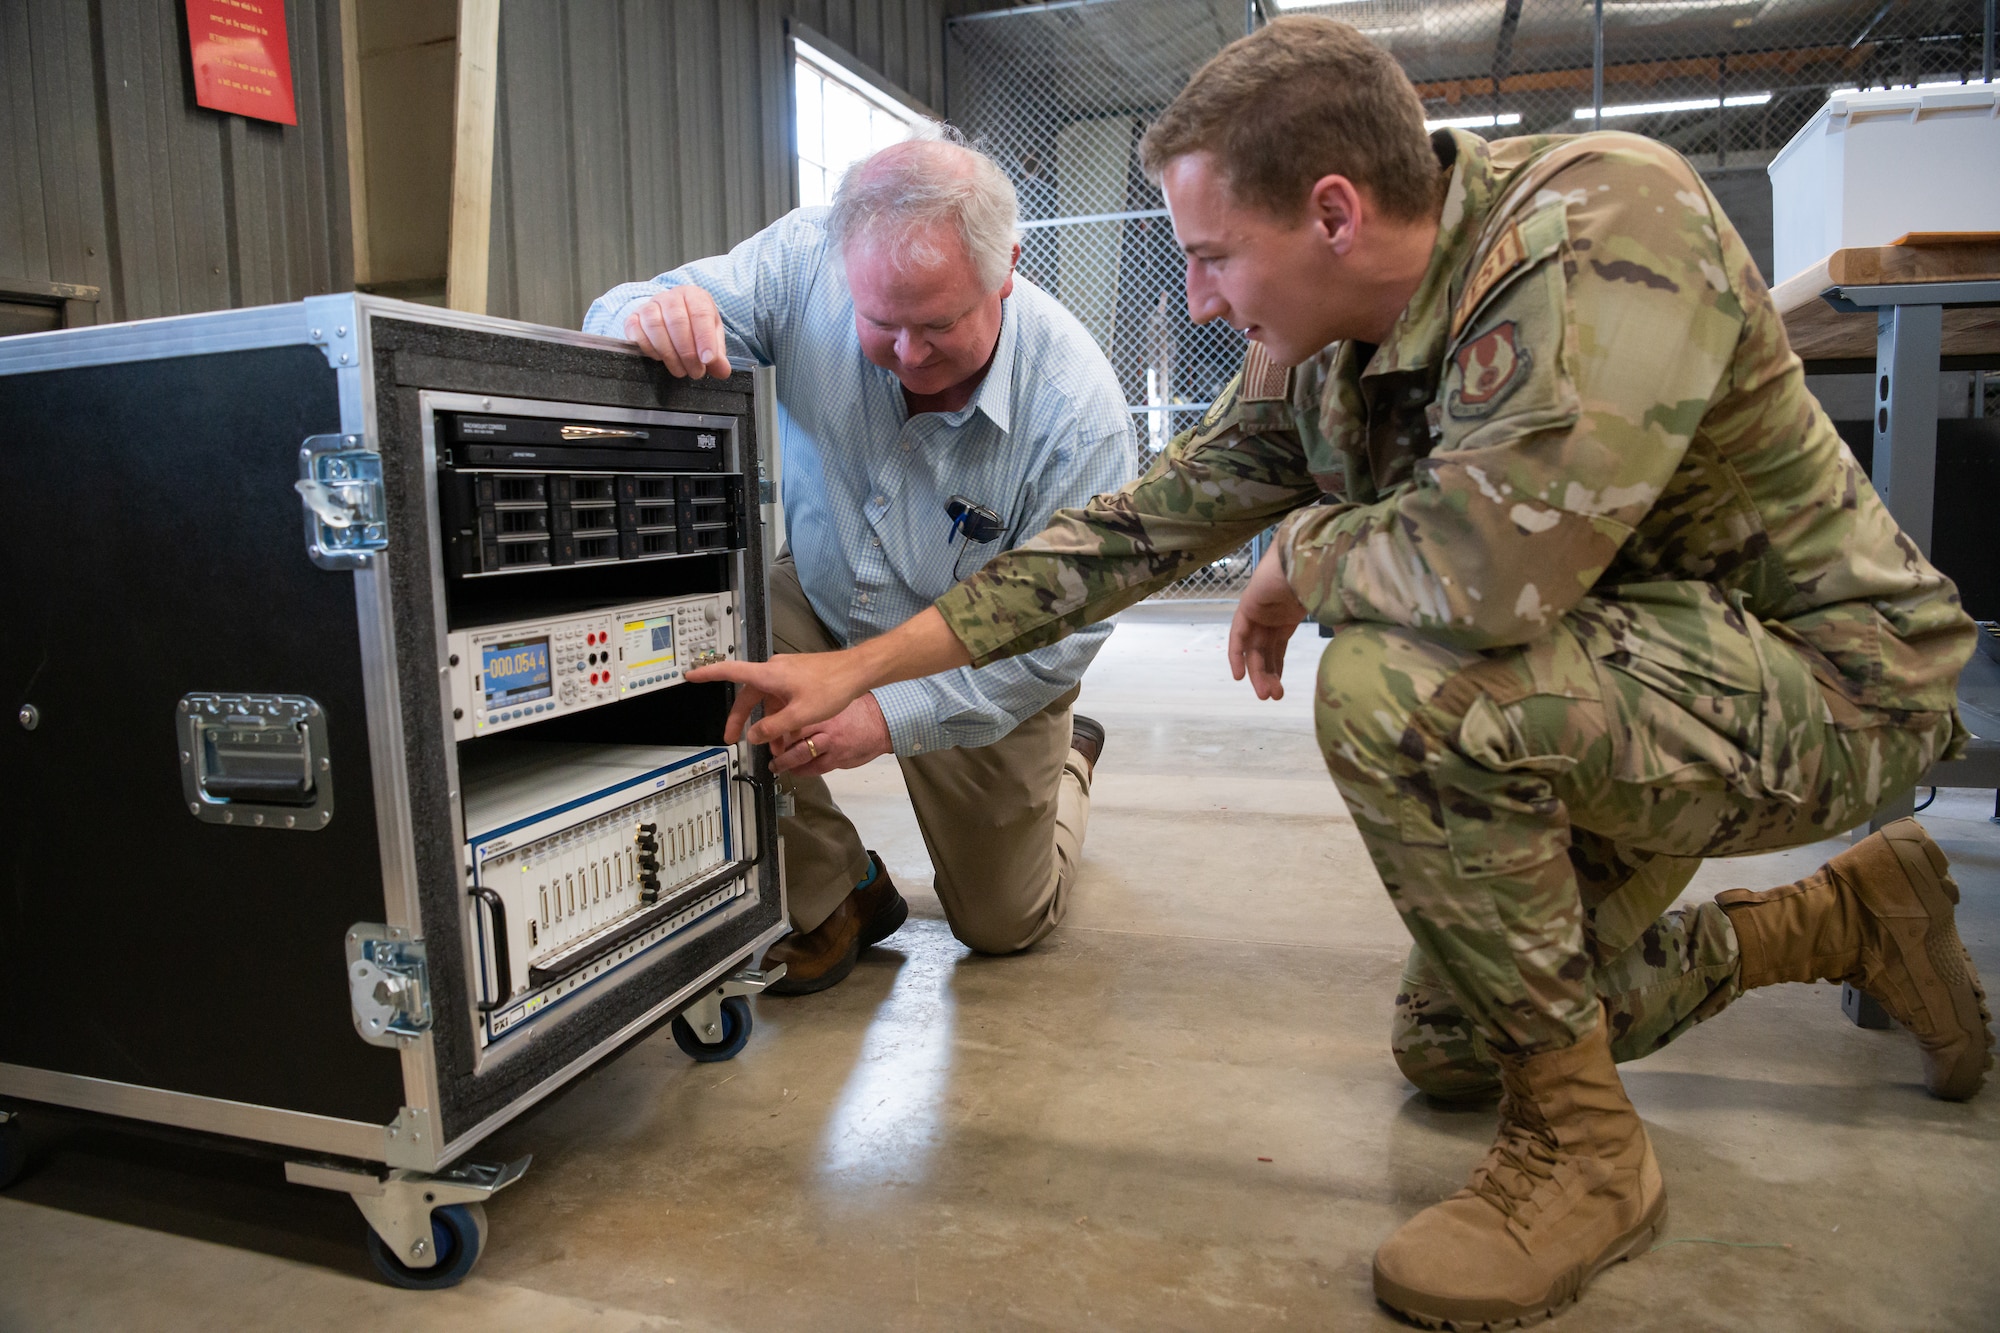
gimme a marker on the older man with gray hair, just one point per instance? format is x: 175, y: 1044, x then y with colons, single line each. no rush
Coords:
x: 934, y: 409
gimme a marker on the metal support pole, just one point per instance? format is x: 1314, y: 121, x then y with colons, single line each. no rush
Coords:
x: 1908, y: 341
x: 1597, y: 62
x: 1986, y: 63
x: 1722, y: 110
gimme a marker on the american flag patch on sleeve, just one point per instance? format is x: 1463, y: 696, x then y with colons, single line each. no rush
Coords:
x: 1264, y: 381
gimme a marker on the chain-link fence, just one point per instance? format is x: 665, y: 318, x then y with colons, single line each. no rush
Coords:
x: 1726, y: 82
x: 1060, y: 93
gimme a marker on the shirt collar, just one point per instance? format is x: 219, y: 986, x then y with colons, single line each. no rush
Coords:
x: 995, y: 395
x: 1417, y: 338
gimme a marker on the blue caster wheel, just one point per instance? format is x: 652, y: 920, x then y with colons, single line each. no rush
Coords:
x: 14, y: 1150
x: 458, y: 1231
x: 735, y: 1031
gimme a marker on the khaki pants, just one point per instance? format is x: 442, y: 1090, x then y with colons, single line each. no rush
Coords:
x: 1004, y: 823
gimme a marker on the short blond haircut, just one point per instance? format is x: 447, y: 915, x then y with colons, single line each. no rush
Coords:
x: 1301, y: 98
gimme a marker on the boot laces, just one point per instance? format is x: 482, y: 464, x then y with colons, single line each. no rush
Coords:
x: 1518, y: 1164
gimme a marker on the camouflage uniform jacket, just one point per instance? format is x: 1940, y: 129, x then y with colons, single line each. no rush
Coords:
x: 1590, y: 388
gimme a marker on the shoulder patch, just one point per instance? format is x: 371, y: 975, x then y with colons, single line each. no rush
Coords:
x: 1507, y: 254
x: 1487, y: 368
x: 1264, y: 381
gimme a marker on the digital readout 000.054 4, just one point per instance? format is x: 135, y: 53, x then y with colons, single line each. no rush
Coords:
x: 516, y: 672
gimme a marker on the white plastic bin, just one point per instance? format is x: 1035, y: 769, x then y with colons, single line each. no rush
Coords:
x: 1871, y: 166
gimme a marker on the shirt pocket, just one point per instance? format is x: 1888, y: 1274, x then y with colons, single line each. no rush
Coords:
x: 969, y: 557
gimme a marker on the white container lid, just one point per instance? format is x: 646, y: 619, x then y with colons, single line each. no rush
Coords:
x: 1843, y: 109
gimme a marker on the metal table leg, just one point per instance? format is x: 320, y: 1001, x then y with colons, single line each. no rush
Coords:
x: 1909, y: 341
x: 1909, y: 346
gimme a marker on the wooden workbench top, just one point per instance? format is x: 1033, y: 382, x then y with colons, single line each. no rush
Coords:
x: 1819, y: 332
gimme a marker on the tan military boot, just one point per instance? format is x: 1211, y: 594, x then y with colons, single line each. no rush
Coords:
x: 1569, y: 1188
x: 1881, y: 915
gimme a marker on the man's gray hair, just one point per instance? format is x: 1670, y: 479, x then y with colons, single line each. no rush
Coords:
x: 896, y: 196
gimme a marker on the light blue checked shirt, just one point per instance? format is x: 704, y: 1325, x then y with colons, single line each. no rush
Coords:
x: 865, y: 484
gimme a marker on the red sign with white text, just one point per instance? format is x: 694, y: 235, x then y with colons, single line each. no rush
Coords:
x: 242, y: 58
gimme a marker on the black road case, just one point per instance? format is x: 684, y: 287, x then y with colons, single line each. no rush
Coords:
x: 341, y: 635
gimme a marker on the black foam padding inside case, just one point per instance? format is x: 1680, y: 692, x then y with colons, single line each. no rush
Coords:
x: 409, y: 357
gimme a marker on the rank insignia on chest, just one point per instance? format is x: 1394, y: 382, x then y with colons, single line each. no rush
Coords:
x: 1487, y: 367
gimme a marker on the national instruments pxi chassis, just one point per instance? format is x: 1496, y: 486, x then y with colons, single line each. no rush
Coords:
x: 355, y: 797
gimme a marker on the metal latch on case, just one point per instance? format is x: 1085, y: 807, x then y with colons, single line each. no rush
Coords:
x: 388, y: 984
x: 341, y: 485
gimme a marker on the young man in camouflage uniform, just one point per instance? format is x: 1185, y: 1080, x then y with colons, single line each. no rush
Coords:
x: 1610, y: 597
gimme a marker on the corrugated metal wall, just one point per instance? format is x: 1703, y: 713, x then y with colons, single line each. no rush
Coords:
x: 631, y: 135
x: 634, y: 135
x: 114, y: 178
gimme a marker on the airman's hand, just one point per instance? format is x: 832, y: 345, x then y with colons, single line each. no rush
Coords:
x: 796, y: 691
x: 681, y: 328
x: 1265, y: 618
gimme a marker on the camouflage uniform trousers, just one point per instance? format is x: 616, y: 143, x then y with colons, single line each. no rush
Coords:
x: 1534, y: 810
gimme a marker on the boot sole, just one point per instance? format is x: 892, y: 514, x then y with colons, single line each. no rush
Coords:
x: 1928, y: 874
x: 1471, y: 1316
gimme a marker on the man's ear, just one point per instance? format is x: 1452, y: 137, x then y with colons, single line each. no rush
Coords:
x: 1013, y: 263
x: 1335, y: 208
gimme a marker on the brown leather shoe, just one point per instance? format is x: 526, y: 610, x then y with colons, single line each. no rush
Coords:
x: 823, y: 956
x: 1086, y: 737
x: 1881, y: 915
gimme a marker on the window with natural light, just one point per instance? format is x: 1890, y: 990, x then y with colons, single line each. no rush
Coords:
x: 840, y: 121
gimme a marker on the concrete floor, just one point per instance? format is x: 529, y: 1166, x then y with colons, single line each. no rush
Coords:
x: 1077, y: 1138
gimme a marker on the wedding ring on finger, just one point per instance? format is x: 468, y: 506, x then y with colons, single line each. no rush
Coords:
x: 812, y: 749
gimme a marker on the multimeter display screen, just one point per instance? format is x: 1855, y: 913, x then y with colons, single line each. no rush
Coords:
x: 516, y: 672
